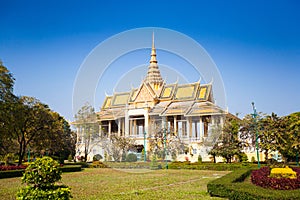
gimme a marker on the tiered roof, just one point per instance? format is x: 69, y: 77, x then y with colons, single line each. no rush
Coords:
x: 193, y: 99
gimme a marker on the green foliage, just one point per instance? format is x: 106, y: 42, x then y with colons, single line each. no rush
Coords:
x: 97, y: 157
x: 154, y: 164
x: 229, y: 144
x: 44, y: 172
x: 131, y: 157
x: 243, y: 157
x: 199, y: 159
x: 252, y: 159
x: 61, y: 192
x: 41, y: 176
x: 70, y: 158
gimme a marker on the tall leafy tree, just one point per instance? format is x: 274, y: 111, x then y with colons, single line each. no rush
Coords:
x: 29, y: 118
x: 58, y: 139
x: 86, y: 122
x: 289, y: 138
x: 6, y: 84
x: 117, y: 146
x: 6, y: 100
x: 269, y: 129
x: 163, y: 141
x: 229, y: 144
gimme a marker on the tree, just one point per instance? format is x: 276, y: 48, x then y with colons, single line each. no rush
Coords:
x: 6, y: 100
x: 6, y: 84
x: 28, y: 119
x: 289, y: 137
x: 163, y: 140
x: 269, y: 129
x: 229, y: 144
x: 59, y: 139
x: 86, y: 122
x: 117, y: 146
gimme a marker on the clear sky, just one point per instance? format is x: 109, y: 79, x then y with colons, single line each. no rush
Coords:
x: 255, y: 45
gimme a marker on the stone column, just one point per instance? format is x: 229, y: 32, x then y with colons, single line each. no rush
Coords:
x: 201, y: 134
x: 100, y: 130
x: 175, y: 125
x: 109, y: 128
x: 126, y: 123
x: 119, y: 127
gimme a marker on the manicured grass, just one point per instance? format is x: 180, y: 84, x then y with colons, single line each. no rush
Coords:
x: 130, y: 184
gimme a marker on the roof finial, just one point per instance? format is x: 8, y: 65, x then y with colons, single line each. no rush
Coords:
x: 153, y: 51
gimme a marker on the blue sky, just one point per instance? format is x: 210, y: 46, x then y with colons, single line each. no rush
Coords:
x: 255, y: 45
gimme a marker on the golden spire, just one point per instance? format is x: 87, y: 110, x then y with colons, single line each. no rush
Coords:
x: 153, y: 74
x: 153, y: 51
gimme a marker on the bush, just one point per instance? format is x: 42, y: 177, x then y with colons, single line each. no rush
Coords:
x: 40, y: 177
x: 97, y: 157
x: 131, y: 157
x: 61, y: 192
x: 281, y: 172
x: 199, y: 159
x: 97, y: 164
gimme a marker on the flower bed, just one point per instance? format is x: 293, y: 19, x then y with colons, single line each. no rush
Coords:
x: 6, y: 168
x: 261, y: 178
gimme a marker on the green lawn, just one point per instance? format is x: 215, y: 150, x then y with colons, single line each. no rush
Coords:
x: 115, y: 184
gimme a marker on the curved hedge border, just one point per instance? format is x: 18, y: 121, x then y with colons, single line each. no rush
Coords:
x: 233, y: 186
x: 19, y: 173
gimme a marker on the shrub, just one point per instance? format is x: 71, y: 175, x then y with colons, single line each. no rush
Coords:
x: 199, y: 159
x: 283, y: 173
x: 243, y: 157
x: 97, y: 157
x: 70, y: 158
x: 40, y: 177
x: 97, y: 164
x: 131, y: 157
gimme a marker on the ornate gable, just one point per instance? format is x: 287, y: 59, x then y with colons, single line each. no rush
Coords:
x: 145, y: 93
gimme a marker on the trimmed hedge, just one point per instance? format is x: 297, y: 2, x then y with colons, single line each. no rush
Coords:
x: 208, y: 166
x: 11, y: 173
x: 71, y: 168
x: 234, y: 186
x: 19, y: 173
x: 83, y: 164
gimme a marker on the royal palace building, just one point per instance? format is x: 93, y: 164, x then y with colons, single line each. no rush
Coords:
x: 187, y: 110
